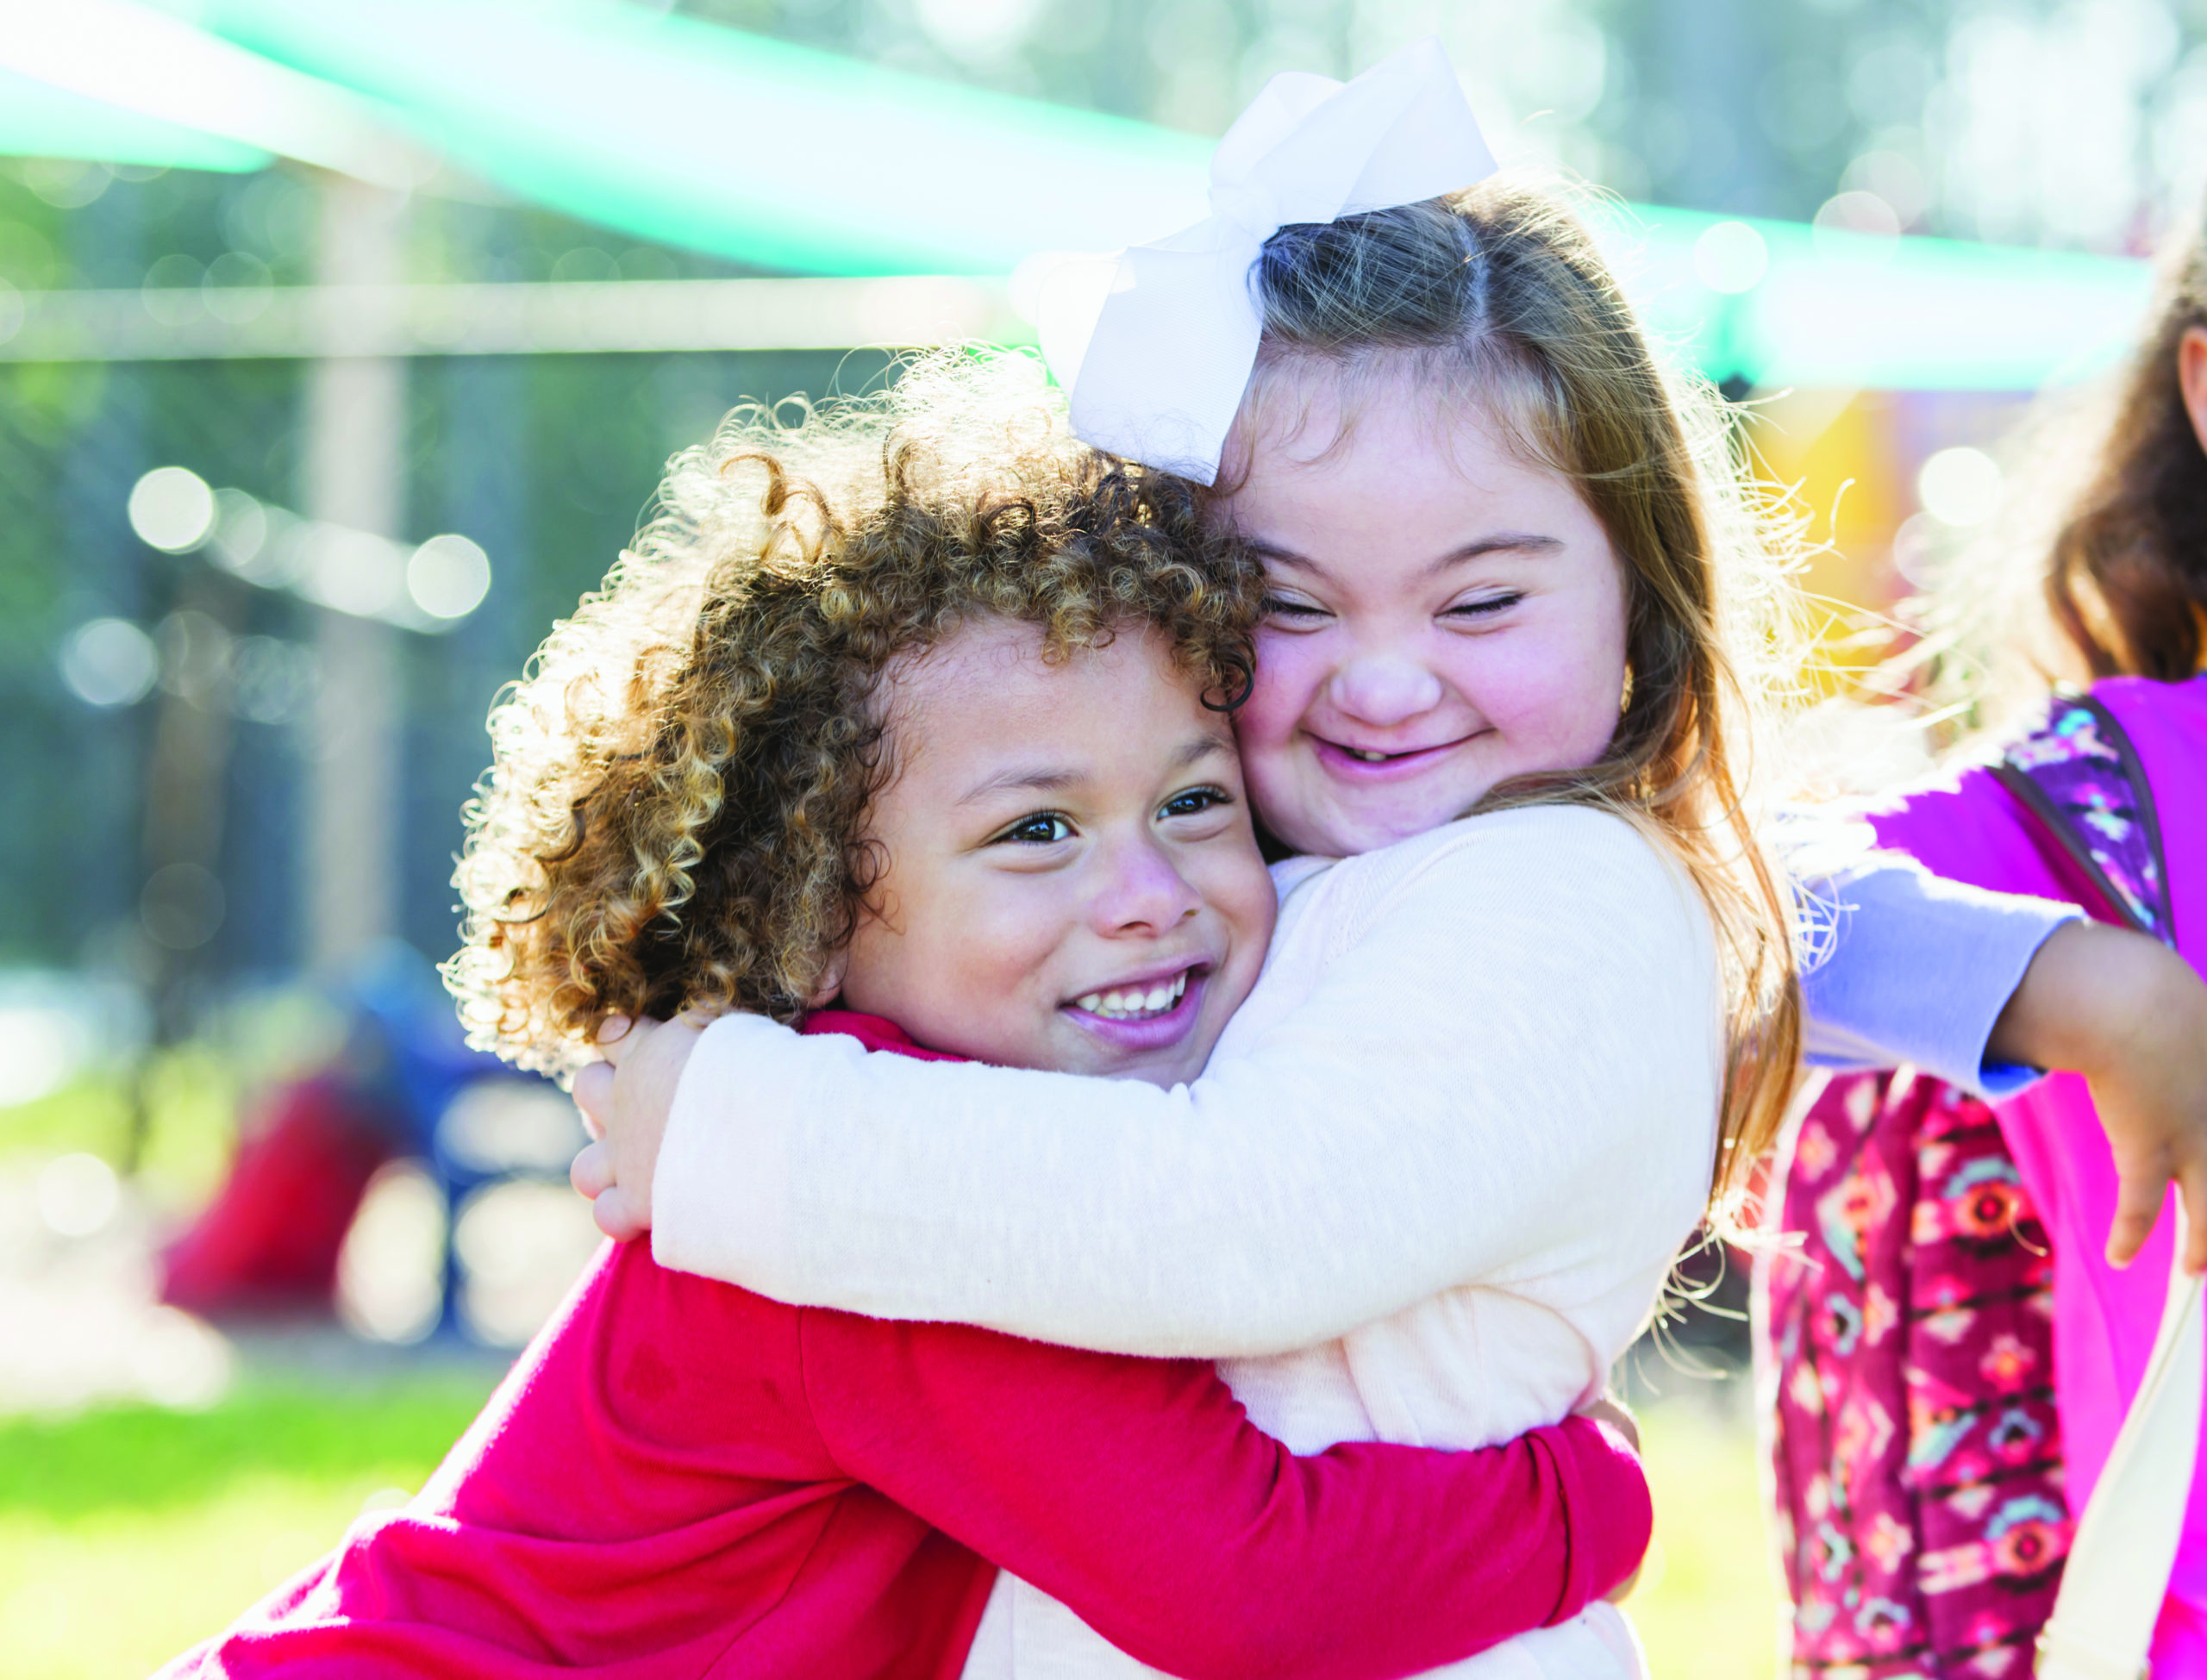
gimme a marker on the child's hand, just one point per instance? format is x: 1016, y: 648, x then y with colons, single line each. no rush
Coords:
x: 2130, y: 1014
x: 626, y: 1100
x: 1611, y: 1411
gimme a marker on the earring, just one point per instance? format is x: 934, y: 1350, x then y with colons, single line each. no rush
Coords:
x: 1625, y: 700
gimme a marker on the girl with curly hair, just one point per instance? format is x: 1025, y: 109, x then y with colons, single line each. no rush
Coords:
x: 921, y: 707
x: 1531, y: 1011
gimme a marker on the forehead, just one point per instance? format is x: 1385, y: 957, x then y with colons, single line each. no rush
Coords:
x: 1407, y: 413
x: 989, y: 690
x: 1324, y: 458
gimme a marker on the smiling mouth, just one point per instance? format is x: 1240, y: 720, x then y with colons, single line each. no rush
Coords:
x: 1137, y: 1002
x: 1366, y: 755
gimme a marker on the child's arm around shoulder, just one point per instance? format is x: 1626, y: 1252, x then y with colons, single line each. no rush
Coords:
x: 1901, y: 965
x: 1506, y: 1040
x: 1986, y: 990
x: 1138, y: 1493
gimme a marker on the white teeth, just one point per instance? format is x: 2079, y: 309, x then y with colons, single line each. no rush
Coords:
x: 1132, y: 1003
x: 1368, y: 757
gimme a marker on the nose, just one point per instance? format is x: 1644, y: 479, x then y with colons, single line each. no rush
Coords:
x: 1141, y: 890
x: 1383, y: 688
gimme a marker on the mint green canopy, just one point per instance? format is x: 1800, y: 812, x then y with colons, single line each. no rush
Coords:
x: 675, y: 130
x: 688, y: 134
x: 40, y: 120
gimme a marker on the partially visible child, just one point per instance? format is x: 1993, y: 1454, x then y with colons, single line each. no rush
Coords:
x: 2003, y: 1398
x: 1432, y: 1180
x: 940, y: 730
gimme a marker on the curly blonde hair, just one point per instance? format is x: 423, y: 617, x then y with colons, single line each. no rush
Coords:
x: 676, y: 814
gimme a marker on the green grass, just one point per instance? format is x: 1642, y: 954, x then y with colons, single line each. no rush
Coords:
x: 142, y: 1458
x: 1707, y: 1605
x: 128, y: 1533
x: 190, y: 1094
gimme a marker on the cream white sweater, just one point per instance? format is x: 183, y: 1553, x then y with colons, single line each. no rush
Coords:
x: 1426, y: 1191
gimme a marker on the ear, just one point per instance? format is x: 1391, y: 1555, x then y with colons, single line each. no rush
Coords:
x: 831, y: 981
x: 2192, y: 379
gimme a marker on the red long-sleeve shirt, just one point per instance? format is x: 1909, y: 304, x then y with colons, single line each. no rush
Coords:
x: 681, y: 1478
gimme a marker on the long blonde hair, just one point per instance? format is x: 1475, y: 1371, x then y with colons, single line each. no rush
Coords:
x: 1500, y: 300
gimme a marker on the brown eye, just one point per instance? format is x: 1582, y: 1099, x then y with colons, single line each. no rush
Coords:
x: 1195, y: 802
x: 1043, y: 828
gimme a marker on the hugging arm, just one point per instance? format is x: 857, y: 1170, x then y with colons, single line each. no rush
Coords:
x: 1370, y: 1150
x: 1138, y: 1493
x: 1488, y: 1064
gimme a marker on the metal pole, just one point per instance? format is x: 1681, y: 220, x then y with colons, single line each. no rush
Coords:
x: 356, y: 476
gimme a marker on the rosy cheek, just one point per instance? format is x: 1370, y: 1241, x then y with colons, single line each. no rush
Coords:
x: 1289, y: 670
x: 1266, y: 717
x: 1556, y: 697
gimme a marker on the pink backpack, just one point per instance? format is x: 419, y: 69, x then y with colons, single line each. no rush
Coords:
x: 1906, y: 1315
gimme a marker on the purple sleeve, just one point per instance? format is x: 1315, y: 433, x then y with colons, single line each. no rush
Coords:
x: 1904, y: 965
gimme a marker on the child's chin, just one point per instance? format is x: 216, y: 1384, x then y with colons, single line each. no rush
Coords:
x: 1358, y: 826
x: 1163, y: 1077
x: 1165, y: 1068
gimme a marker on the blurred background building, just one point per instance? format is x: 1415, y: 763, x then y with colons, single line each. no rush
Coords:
x: 341, y: 345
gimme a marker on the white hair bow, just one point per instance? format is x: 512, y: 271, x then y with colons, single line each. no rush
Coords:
x: 1156, y: 343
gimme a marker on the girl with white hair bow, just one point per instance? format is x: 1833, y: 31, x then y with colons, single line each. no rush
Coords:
x: 1532, y: 1009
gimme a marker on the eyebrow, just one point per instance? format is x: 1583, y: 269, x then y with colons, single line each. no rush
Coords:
x: 1054, y: 778
x: 1519, y: 542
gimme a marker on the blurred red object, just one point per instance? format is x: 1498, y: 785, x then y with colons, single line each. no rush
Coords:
x: 269, y: 1242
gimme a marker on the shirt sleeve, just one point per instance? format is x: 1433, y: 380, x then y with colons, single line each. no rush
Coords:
x: 1904, y: 966
x: 1507, y: 1069
x: 1138, y: 1493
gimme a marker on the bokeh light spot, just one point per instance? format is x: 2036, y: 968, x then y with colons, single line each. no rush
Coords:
x: 109, y: 662
x: 182, y: 906
x: 391, y: 1271
x: 173, y: 510
x: 982, y: 30
x: 1730, y: 257
x: 448, y: 577
x: 1959, y: 486
x: 78, y: 1194
x: 1856, y: 226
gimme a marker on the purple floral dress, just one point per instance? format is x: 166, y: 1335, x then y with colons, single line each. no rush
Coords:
x: 1906, y: 1316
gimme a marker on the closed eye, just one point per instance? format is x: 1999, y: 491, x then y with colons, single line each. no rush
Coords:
x: 1042, y: 828
x: 1303, y: 612
x: 1486, y: 607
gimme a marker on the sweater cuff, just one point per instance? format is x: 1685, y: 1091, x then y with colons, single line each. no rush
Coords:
x: 716, y: 1202
x: 1608, y: 1513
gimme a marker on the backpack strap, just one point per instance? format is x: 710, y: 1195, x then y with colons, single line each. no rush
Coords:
x: 2079, y: 776
x: 2126, y: 1542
